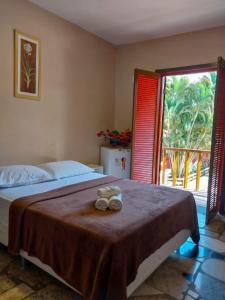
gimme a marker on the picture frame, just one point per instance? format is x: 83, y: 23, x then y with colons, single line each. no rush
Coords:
x: 27, y: 66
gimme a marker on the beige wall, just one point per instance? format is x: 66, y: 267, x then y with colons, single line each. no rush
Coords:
x: 181, y: 50
x: 77, y: 89
x: 78, y: 71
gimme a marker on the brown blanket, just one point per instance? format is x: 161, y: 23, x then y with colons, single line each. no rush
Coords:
x: 99, y: 252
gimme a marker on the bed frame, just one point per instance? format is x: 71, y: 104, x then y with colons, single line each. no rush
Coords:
x: 147, y: 267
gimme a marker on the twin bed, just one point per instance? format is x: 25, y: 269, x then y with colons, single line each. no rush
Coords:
x: 101, y: 255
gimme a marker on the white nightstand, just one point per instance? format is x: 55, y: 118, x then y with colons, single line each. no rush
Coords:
x: 97, y: 168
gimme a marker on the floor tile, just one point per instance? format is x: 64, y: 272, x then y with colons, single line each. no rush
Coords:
x: 206, y: 232
x: 161, y: 297
x: 55, y: 292
x: 193, y: 294
x: 188, y: 276
x: 201, y: 220
x: 183, y: 264
x: 5, y: 258
x: 215, y: 226
x: 5, y: 283
x: 201, y: 209
x: 209, y: 288
x: 146, y: 290
x: 33, y: 276
x: 218, y: 255
x: 222, y: 237
x: 193, y: 251
x: 187, y: 297
x: 213, y: 244
x: 214, y: 268
x: 17, y: 293
x: 169, y: 281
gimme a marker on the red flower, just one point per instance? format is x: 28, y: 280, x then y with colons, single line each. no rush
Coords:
x: 116, y: 137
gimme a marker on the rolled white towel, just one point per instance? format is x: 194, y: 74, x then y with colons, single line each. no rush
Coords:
x: 116, y: 202
x: 116, y: 190
x: 104, y: 192
x: 109, y: 191
x: 102, y: 203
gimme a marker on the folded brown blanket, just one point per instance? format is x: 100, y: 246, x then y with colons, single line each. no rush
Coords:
x: 98, y: 252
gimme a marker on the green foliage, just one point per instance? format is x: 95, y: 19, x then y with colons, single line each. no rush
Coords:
x: 188, y: 114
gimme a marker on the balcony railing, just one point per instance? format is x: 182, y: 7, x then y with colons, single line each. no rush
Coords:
x: 172, y: 157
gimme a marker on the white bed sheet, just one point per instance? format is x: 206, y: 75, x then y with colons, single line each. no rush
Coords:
x: 8, y: 195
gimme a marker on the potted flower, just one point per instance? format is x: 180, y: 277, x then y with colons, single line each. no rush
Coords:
x: 116, y: 138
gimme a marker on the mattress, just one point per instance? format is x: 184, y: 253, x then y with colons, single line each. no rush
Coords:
x: 8, y: 195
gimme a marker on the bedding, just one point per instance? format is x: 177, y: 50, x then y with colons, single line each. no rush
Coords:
x: 8, y: 195
x: 66, y: 168
x: 111, y: 244
x: 16, y: 175
x: 146, y: 268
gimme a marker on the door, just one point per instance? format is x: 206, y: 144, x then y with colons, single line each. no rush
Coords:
x: 217, y: 172
x: 147, y: 120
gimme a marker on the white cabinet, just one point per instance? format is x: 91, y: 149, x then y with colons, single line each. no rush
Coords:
x: 116, y: 161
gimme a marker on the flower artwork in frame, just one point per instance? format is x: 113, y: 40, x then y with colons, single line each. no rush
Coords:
x: 27, y: 66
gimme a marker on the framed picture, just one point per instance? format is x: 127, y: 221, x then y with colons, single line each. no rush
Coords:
x: 26, y: 66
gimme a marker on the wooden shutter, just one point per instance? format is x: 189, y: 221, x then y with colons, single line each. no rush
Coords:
x: 218, y: 146
x: 145, y: 117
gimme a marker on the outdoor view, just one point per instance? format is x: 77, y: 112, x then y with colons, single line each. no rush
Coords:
x: 187, y: 131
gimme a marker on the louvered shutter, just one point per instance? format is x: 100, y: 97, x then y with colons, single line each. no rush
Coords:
x: 144, y: 126
x: 218, y: 146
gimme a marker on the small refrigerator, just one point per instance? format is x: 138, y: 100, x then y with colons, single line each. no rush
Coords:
x: 116, y: 161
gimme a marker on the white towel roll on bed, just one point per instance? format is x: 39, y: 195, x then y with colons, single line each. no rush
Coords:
x: 102, y: 203
x: 108, y: 191
x: 116, y: 202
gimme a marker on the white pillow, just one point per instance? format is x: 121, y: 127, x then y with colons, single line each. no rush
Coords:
x: 66, y: 168
x: 16, y: 175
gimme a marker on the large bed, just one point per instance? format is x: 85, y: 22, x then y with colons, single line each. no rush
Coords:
x: 145, y: 266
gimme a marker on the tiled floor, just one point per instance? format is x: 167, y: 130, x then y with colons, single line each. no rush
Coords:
x: 190, y: 273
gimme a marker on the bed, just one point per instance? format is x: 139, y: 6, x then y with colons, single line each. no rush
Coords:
x: 145, y: 266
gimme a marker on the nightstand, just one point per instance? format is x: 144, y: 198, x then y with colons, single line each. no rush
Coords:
x: 97, y: 168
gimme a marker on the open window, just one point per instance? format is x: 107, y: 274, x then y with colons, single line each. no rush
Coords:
x: 147, y: 132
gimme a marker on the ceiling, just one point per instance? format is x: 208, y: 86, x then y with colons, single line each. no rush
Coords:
x: 128, y: 21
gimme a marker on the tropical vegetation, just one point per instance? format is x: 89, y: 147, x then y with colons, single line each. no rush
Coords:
x: 188, y: 115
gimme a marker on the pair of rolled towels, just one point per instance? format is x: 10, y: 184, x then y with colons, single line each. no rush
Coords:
x: 109, y: 197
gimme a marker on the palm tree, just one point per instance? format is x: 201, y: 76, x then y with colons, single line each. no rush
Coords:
x: 188, y: 115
